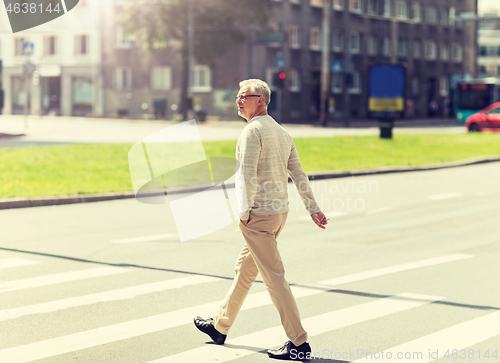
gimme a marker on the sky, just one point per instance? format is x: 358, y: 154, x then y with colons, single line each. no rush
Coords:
x: 487, y: 5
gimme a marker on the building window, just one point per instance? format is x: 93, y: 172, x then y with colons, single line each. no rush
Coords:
x: 417, y: 12
x: 415, y: 85
x: 316, y: 2
x: 293, y: 36
x: 338, y: 40
x: 430, y: 50
x: 355, y: 86
x: 371, y: 45
x: 202, y: 79
x: 402, y: 10
x: 337, y: 82
x: 354, y: 42
x: 123, y: 78
x: 373, y: 6
x: 444, y: 18
x: 417, y: 49
x: 338, y: 4
x: 50, y: 45
x: 122, y: 38
x: 387, y: 8
x: 445, y: 52
x: 294, y: 80
x: 451, y: 15
x: 81, y: 44
x: 457, y: 53
x: 161, y: 78
x: 356, y: 6
x: 386, y: 46
x: 487, y: 51
x: 443, y: 86
x: 431, y: 15
x: 315, y: 38
x: 18, y: 45
x: 402, y: 47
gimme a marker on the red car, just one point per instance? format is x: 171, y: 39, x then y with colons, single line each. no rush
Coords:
x: 487, y: 119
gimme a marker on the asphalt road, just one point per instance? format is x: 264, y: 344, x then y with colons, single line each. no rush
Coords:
x: 408, y: 265
x: 64, y: 130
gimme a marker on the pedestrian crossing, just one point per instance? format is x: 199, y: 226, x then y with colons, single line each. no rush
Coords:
x: 432, y: 346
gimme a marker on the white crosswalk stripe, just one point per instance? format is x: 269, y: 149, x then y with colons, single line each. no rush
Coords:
x: 15, y: 262
x: 315, y: 325
x: 130, y: 329
x: 436, y: 345
x: 113, y: 295
x: 457, y: 337
x: 393, y: 269
x: 59, y: 278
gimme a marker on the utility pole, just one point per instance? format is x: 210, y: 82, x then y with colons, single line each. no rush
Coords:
x: 325, y: 62
x: 190, y: 55
x: 348, y: 70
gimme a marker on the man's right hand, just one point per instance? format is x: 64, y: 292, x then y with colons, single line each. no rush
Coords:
x: 320, y: 219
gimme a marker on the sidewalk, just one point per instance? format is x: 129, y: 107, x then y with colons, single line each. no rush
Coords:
x: 48, y: 130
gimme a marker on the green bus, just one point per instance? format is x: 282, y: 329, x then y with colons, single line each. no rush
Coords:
x: 472, y: 96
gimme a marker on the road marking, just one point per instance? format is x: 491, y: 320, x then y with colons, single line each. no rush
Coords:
x: 444, y: 196
x: 129, y: 329
x: 397, y: 268
x: 457, y: 337
x: 59, y: 278
x: 113, y: 295
x: 314, y: 325
x: 156, y: 237
x: 16, y: 262
x: 380, y: 210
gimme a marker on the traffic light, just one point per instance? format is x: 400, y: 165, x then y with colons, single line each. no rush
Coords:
x: 279, y: 79
x: 36, y: 78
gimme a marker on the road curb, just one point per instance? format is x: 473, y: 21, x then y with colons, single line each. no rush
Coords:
x: 12, y: 203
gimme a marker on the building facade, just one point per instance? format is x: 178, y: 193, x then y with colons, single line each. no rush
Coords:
x: 488, y: 59
x: 117, y: 78
x: 422, y: 35
x: 64, y: 76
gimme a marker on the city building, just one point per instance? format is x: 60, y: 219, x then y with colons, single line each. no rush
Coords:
x: 488, y: 59
x: 125, y: 81
x: 64, y: 71
x: 421, y: 35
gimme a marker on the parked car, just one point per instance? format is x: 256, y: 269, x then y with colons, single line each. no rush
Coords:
x: 487, y: 119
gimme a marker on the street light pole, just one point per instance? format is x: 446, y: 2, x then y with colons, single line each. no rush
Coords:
x: 325, y: 63
x: 190, y: 53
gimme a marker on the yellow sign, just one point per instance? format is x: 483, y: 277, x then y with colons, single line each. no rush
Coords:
x: 386, y: 104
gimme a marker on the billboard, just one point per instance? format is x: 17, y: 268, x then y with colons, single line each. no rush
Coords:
x: 386, y: 91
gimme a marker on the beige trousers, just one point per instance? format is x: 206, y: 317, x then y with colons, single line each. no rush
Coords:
x: 260, y: 254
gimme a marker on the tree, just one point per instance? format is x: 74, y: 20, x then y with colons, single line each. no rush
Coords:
x: 218, y: 25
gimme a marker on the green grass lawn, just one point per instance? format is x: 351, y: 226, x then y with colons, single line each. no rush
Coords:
x: 83, y: 169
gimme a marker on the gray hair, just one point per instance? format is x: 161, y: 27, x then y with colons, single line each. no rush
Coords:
x: 259, y: 87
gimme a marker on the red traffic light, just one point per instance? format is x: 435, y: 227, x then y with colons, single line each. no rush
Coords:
x: 282, y: 75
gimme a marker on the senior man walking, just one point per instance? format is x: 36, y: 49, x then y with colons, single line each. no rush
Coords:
x: 267, y: 155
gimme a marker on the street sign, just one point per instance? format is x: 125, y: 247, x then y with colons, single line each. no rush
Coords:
x: 28, y: 49
x: 270, y: 38
x: 280, y: 61
x: 337, y: 66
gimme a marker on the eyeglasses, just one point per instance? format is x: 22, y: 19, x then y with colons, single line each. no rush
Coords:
x: 245, y: 97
